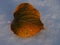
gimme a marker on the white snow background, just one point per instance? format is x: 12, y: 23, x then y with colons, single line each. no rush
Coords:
x: 50, y: 16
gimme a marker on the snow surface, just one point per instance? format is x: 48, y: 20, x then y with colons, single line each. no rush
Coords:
x: 50, y: 16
